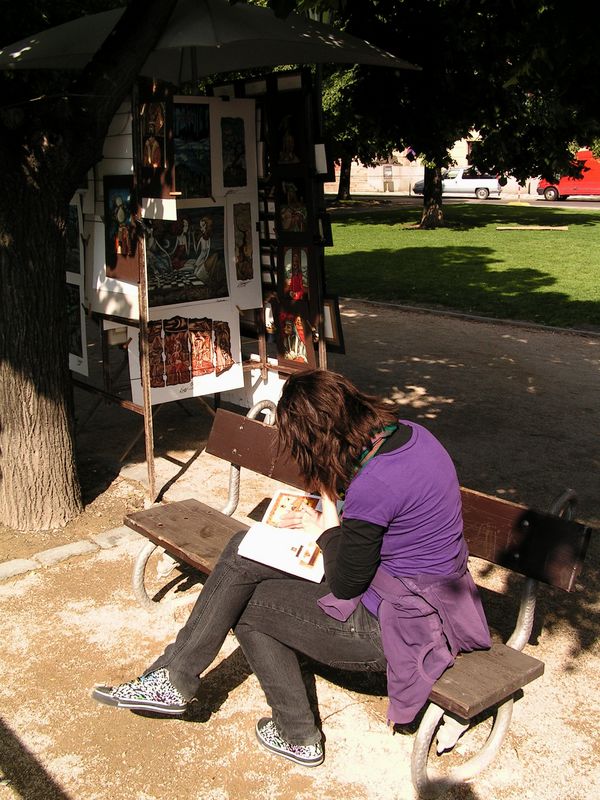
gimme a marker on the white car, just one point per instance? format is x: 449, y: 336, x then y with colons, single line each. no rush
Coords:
x: 465, y: 182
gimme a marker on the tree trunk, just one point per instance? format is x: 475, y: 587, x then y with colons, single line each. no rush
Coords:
x: 39, y: 489
x: 46, y: 147
x: 433, y: 214
x: 344, y: 184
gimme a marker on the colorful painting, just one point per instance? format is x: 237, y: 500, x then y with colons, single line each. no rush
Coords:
x: 233, y: 144
x: 153, y: 150
x: 185, y: 258
x: 293, y: 211
x: 295, y: 267
x: 120, y: 229
x: 190, y: 355
x: 293, y: 341
x: 192, y: 153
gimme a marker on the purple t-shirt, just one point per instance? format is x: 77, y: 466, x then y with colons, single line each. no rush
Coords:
x: 414, y: 493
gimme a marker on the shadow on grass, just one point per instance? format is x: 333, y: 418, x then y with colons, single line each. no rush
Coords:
x: 467, y: 216
x: 457, y: 278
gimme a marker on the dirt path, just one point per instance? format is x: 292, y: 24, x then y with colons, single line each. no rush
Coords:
x: 517, y: 408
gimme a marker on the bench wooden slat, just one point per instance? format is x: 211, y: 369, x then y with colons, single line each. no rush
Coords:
x: 484, y: 678
x: 188, y: 530
x: 251, y: 444
x: 540, y: 546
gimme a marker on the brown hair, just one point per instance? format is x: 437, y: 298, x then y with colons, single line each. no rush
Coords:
x: 325, y: 423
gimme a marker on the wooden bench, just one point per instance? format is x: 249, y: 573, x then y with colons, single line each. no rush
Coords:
x: 547, y: 547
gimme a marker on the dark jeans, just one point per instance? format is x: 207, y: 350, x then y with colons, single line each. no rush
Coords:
x: 273, y: 615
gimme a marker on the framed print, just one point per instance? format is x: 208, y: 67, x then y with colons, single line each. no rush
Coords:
x: 243, y: 250
x: 324, y: 165
x: 108, y: 295
x: 76, y: 329
x: 332, y: 325
x: 186, y: 259
x: 74, y: 268
x: 155, y: 138
x: 294, y: 339
x: 292, y: 215
x: 233, y: 152
x: 287, y: 129
x: 192, y: 147
x: 295, y: 283
x: 121, y: 235
x: 235, y: 130
x: 192, y: 352
x: 73, y: 231
x: 324, y: 229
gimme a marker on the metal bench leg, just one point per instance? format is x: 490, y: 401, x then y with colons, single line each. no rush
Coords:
x: 430, y: 783
x: 139, y: 571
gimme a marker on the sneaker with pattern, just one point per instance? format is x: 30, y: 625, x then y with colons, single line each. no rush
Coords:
x: 152, y: 692
x: 308, y: 755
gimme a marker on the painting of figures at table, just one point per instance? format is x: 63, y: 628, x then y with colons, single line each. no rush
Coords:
x: 185, y: 258
x: 191, y: 140
x: 120, y: 230
x: 233, y: 140
x: 189, y: 355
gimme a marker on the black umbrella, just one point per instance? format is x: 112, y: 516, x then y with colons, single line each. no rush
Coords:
x: 203, y: 37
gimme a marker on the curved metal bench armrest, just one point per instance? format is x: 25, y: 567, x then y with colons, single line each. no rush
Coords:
x: 233, y: 495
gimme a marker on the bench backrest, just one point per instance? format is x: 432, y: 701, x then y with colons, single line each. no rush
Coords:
x: 252, y: 444
x: 541, y: 546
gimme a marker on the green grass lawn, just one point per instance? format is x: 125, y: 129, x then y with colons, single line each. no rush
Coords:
x: 550, y: 277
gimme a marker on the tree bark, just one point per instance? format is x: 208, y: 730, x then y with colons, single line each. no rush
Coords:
x: 433, y: 214
x: 46, y: 148
x: 345, y: 173
x: 39, y: 489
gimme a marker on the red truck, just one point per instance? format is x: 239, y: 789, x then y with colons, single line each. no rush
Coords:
x: 589, y: 183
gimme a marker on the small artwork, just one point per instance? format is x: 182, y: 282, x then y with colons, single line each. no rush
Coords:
x: 244, y: 249
x: 185, y: 258
x: 181, y: 349
x: 78, y: 361
x: 288, y: 122
x: 201, y: 346
x: 73, y: 241
x: 332, y: 325
x: 190, y: 354
x: 192, y: 153
x: 178, y: 367
x: 74, y: 320
x: 295, y: 273
x: 233, y: 144
x: 153, y: 131
x: 120, y: 228
x: 156, y: 354
x: 288, y: 139
x: 293, y: 209
x: 293, y: 340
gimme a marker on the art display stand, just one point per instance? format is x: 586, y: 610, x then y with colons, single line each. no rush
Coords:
x: 204, y: 243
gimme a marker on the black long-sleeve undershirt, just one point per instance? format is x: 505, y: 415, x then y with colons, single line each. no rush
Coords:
x: 351, y: 551
x: 351, y: 556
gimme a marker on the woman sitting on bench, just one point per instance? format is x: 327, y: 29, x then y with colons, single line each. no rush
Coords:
x: 397, y: 594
